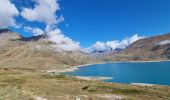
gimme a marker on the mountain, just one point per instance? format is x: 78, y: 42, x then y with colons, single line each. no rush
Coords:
x: 153, y: 48
x: 33, y: 38
x: 5, y: 36
x: 101, y: 53
x: 36, y: 52
x: 5, y: 30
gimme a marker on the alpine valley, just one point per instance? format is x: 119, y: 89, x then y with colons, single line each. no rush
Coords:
x: 31, y: 70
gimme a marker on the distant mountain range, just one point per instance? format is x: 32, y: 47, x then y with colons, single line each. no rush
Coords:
x: 105, y: 51
x: 37, y: 52
x: 152, y: 48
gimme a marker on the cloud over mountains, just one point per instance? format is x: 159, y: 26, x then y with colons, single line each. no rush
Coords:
x: 112, y: 45
x: 63, y: 41
x: 50, y: 7
x: 35, y: 31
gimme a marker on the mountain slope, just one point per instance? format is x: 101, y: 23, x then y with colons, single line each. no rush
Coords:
x: 153, y: 48
x: 39, y: 53
x: 36, y: 53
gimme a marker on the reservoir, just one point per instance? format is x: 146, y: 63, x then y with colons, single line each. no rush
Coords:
x: 128, y: 72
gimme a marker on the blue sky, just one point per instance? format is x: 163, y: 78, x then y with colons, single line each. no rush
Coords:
x: 103, y: 20
x: 88, y: 21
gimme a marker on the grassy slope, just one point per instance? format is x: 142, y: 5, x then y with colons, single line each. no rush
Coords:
x: 40, y: 56
x: 29, y: 84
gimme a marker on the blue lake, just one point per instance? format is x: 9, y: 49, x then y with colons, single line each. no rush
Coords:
x: 129, y: 72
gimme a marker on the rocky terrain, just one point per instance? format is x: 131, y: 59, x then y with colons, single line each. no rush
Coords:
x: 36, y: 52
x: 147, y: 49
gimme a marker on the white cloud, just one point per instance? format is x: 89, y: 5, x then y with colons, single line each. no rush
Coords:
x: 35, y: 31
x: 44, y: 11
x: 112, y: 45
x: 62, y: 42
x: 135, y: 38
x: 100, y: 46
x: 8, y: 12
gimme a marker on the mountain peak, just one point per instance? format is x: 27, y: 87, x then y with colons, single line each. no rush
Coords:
x: 34, y: 38
x: 6, y: 30
x: 7, y: 34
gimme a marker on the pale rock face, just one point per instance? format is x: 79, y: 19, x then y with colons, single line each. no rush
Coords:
x: 164, y: 42
x: 6, y: 36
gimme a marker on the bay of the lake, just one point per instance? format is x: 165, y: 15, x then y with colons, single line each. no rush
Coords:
x: 128, y: 72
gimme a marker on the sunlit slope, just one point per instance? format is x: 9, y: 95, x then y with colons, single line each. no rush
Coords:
x: 40, y: 53
x: 153, y: 48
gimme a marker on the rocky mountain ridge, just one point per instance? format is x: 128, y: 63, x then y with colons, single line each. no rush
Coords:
x: 152, y: 48
x: 37, y: 53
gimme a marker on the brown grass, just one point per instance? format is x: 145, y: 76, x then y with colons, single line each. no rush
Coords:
x: 18, y: 84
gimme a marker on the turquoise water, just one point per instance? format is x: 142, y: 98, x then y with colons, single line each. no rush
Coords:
x: 129, y: 72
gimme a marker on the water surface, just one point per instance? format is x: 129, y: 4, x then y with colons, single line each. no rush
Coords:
x: 129, y: 72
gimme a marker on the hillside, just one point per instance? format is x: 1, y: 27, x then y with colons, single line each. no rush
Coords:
x: 147, y: 49
x: 36, y: 52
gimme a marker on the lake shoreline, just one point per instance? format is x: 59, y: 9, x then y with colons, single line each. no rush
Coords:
x: 70, y: 69
x: 96, y: 78
x: 74, y: 68
x: 143, y: 84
